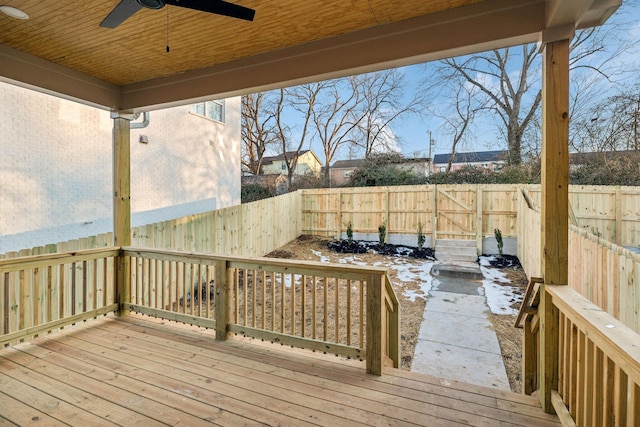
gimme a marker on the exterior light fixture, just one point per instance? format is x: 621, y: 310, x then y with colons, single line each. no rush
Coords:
x: 144, y: 139
x: 13, y: 12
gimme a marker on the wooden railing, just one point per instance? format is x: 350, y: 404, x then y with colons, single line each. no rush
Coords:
x: 42, y: 293
x: 342, y: 309
x: 598, y: 363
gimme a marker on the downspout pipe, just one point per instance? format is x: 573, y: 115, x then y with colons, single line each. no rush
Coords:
x: 146, y: 117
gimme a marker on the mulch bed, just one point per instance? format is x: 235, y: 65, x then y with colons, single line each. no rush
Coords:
x: 362, y: 247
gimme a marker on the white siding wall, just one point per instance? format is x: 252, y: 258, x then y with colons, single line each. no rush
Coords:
x: 56, y: 162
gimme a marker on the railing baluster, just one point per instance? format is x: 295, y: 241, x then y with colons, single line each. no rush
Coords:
x: 315, y: 307
x: 254, y: 291
x: 303, y: 313
x: 282, y: 301
x: 362, y: 313
x: 349, y: 318
x: 293, y: 303
x: 236, y: 284
x: 264, y: 300
x: 326, y: 308
x: 336, y: 287
x: 273, y: 301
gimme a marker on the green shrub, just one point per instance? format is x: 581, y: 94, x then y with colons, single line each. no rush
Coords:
x: 253, y: 192
x: 382, y: 234
x: 499, y: 241
x: 421, y: 237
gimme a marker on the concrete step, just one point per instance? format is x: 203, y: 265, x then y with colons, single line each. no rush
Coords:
x: 457, y: 270
x: 456, y: 250
x: 455, y: 243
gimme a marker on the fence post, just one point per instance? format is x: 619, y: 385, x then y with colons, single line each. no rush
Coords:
x: 479, y: 229
x: 375, y: 328
x: 618, y: 202
x: 224, y: 297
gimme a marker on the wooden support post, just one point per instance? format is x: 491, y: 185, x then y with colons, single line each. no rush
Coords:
x: 434, y: 229
x: 479, y: 230
x: 555, y: 206
x: 223, y: 282
x: 375, y: 356
x: 529, y: 359
x: 619, y: 236
x: 122, y: 202
x: 339, y: 217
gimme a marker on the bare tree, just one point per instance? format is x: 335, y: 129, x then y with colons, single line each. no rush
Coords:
x: 458, y: 114
x: 381, y: 104
x: 258, y: 129
x: 509, y: 80
x: 300, y: 101
x: 335, y: 119
x: 613, y: 124
x: 506, y: 92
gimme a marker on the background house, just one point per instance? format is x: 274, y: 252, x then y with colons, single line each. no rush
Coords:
x: 342, y: 170
x: 491, y: 160
x: 56, y: 166
x: 308, y: 164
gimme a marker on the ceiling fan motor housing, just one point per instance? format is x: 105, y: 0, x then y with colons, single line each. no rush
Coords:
x: 151, y: 4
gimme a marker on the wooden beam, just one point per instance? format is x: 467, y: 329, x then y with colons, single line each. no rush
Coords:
x: 122, y: 202
x: 555, y: 206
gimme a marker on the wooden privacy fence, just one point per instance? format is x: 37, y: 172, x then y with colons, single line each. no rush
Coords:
x: 41, y: 293
x: 606, y: 274
x: 443, y: 211
x: 250, y: 229
x: 610, y: 212
x: 342, y: 309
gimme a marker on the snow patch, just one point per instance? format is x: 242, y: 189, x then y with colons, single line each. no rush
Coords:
x: 500, y: 297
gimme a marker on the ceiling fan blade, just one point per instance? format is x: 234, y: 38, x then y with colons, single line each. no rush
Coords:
x: 120, y: 13
x: 218, y: 7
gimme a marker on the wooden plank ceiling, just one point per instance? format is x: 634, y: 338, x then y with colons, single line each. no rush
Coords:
x: 62, y: 49
x: 68, y: 34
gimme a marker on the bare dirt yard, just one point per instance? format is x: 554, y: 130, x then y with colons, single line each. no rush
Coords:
x: 412, y: 283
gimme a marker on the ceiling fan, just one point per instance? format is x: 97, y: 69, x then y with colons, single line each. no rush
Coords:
x: 126, y: 8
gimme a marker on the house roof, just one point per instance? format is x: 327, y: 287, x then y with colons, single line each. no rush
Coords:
x: 347, y: 164
x: 61, y: 49
x: 581, y: 158
x: 356, y: 163
x: 472, y: 157
x: 270, y: 159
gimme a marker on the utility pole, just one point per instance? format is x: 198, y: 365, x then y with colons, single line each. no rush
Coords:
x: 430, y: 158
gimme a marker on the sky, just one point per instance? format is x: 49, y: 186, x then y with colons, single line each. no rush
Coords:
x: 413, y: 132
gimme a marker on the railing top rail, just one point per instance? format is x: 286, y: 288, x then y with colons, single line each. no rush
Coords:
x: 260, y: 263
x: 45, y: 260
x: 619, y: 342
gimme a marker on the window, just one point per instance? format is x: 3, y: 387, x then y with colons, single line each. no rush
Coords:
x: 347, y: 174
x: 443, y: 169
x: 213, y: 110
x: 283, y: 166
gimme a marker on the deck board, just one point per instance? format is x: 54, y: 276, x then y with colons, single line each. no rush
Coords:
x: 141, y: 371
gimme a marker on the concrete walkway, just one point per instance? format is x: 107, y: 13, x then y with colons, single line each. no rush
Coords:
x: 456, y: 339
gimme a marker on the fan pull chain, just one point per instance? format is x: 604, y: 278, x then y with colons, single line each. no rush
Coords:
x: 168, y: 30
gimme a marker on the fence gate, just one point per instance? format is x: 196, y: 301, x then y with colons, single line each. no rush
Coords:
x: 456, y: 212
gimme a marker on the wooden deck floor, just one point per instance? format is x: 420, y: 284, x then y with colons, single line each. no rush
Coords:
x: 139, y: 371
